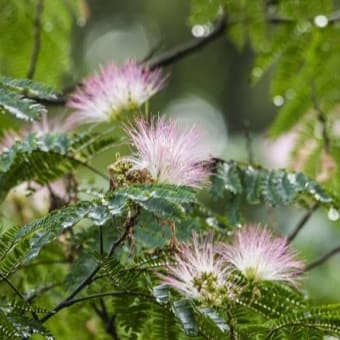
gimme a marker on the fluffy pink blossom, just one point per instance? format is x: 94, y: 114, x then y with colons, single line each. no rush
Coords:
x: 260, y: 256
x: 104, y: 95
x: 170, y: 154
x: 199, y: 272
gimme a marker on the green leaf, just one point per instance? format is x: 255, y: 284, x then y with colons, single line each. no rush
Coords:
x: 44, y: 230
x: 57, y: 20
x: 211, y: 324
x: 274, y: 187
x: 28, y: 87
x: 22, y: 108
x: 163, y: 201
x: 46, y: 157
x: 185, y: 313
x: 11, y: 253
x: 19, y: 306
x: 272, y: 300
x: 325, y: 318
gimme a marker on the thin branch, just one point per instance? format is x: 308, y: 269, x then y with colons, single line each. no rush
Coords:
x: 42, y: 290
x: 305, y: 218
x: 249, y: 142
x: 16, y: 291
x: 88, y: 280
x: 322, y: 119
x: 187, y: 49
x: 323, y: 259
x: 284, y: 325
x: 11, y: 285
x: 108, y: 320
x: 105, y: 294
x: 37, y: 39
x: 101, y: 241
x: 86, y: 165
x: 166, y: 59
x: 190, y: 47
x: 231, y: 325
x: 152, y: 52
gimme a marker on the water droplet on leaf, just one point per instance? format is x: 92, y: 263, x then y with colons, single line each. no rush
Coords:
x: 333, y: 214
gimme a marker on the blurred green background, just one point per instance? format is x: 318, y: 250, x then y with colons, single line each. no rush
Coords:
x: 210, y: 88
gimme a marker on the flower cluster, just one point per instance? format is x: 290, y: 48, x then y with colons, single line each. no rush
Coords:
x: 165, y: 153
x: 206, y: 272
x: 114, y: 89
x: 199, y: 272
x: 170, y: 154
x: 261, y: 257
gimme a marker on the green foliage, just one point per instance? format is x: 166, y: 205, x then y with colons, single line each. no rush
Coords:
x: 15, y: 97
x: 273, y: 187
x: 30, y: 88
x: 287, y: 38
x: 18, y: 17
x: 11, y: 254
x: 12, y: 103
x: 15, y: 324
x: 45, y: 158
x: 44, y: 230
x: 109, y: 253
x: 325, y: 318
x: 271, y: 300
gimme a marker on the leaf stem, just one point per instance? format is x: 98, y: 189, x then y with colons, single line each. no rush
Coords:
x: 323, y: 259
x: 16, y: 291
x: 89, y: 279
x: 305, y: 218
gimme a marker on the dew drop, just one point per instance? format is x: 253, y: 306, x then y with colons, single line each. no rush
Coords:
x: 333, y: 214
x: 67, y: 224
x: 278, y: 100
x: 201, y: 31
x: 321, y: 21
x: 212, y: 222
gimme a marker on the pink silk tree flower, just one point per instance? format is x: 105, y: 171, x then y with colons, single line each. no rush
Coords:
x: 114, y: 89
x: 199, y: 272
x: 169, y: 153
x: 259, y: 256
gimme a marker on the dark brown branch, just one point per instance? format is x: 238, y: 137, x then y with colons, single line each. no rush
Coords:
x: 302, y: 222
x: 190, y: 47
x: 249, y: 142
x: 187, y: 49
x: 88, y: 280
x: 91, y: 168
x: 16, y: 291
x: 322, y: 119
x: 37, y: 39
x: 323, y: 259
x: 107, y: 319
x: 105, y: 294
x: 42, y: 290
x: 166, y: 59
